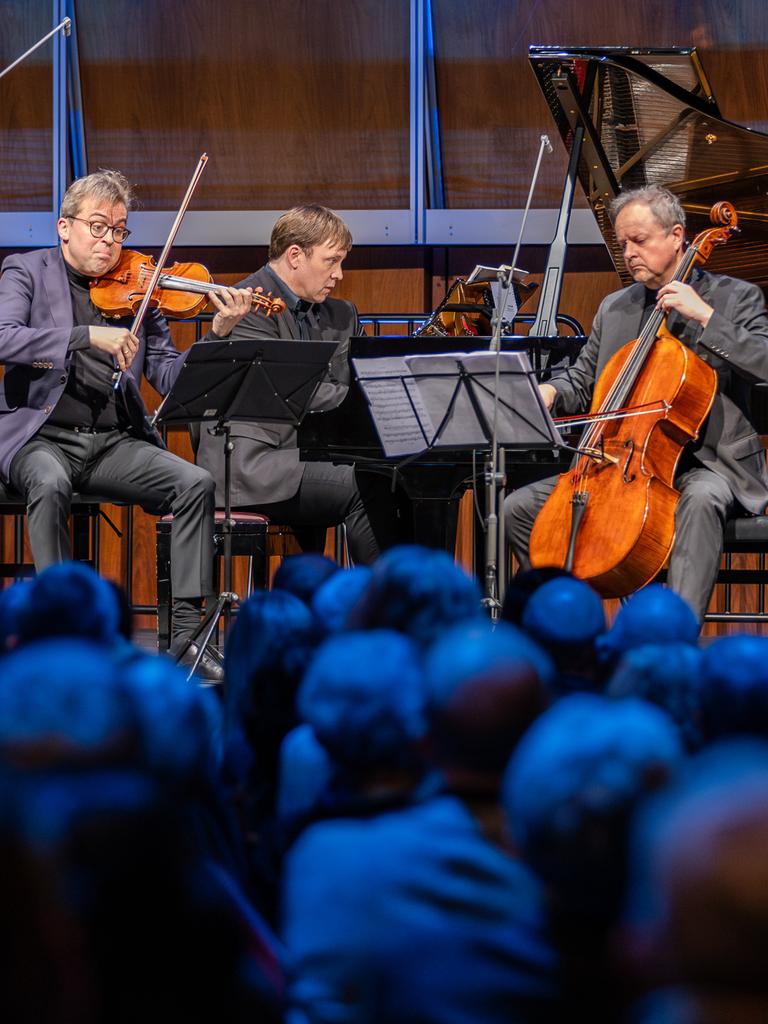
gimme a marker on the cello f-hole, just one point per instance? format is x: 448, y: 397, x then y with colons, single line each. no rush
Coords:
x: 629, y: 443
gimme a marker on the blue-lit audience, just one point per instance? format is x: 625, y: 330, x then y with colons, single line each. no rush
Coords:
x: 399, y: 904
x: 565, y: 616
x: 393, y: 810
x: 570, y: 791
x: 418, y: 592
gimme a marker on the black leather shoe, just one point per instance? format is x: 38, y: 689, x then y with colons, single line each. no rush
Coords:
x: 210, y: 666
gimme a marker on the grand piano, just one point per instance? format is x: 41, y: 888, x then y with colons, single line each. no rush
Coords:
x: 627, y: 117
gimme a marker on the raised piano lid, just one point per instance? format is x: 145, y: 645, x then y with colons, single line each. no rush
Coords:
x: 649, y: 117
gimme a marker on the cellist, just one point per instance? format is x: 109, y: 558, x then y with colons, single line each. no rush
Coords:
x: 723, y: 320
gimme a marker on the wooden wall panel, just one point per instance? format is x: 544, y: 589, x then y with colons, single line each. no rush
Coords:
x: 26, y: 97
x: 292, y: 99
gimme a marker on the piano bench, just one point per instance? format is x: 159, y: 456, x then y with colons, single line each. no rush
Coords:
x: 254, y: 536
x: 745, y: 535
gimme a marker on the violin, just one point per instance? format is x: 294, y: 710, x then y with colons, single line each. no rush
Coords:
x: 181, y: 290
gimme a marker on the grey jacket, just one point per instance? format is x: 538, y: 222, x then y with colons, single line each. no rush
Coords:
x: 265, y: 464
x: 734, y: 343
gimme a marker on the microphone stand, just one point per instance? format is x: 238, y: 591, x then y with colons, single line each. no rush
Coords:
x: 495, y: 467
x: 64, y: 25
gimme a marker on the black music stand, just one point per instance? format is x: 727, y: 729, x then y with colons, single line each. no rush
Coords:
x: 424, y: 402
x: 269, y: 380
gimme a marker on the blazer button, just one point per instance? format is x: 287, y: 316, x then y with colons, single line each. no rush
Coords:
x: 63, y: 379
x: 48, y: 410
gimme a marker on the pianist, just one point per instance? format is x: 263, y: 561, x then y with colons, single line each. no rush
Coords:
x: 306, y: 252
x: 724, y: 321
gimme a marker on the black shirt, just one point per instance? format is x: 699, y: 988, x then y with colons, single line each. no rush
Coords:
x: 89, y: 398
x: 303, y: 311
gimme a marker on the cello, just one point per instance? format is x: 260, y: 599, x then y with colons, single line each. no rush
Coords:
x: 611, y: 518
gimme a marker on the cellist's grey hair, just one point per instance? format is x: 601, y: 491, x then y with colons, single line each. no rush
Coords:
x: 110, y: 186
x: 663, y: 204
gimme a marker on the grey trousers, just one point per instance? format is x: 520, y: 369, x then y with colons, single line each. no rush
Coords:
x: 58, y: 461
x: 329, y: 495
x: 706, y: 501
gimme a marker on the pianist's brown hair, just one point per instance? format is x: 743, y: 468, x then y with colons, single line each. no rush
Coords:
x: 664, y: 205
x: 110, y: 186
x: 308, y: 226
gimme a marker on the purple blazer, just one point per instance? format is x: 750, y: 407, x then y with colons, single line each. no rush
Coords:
x: 35, y: 328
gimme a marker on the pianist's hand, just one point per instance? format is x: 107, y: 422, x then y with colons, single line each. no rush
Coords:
x: 548, y: 393
x: 685, y: 300
x: 232, y: 305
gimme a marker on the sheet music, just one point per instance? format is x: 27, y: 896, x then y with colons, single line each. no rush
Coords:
x: 436, y: 377
x: 482, y: 274
x: 522, y: 414
x: 397, y: 407
x: 447, y: 401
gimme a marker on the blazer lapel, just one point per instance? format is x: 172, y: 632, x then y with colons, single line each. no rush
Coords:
x: 56, y: 286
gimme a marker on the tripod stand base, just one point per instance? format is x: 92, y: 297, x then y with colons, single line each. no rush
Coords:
x: 205, y: 631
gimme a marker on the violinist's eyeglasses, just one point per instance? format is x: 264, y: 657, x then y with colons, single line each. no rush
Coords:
x: 99, y: 229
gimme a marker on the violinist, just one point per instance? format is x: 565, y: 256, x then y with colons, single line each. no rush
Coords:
x: 65, y: 426
x: 723, y: 320
x: 307, y: 248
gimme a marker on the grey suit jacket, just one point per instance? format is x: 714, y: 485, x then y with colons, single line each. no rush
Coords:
x: 734, y: 343
x: 36, y: 324
x: 265, y: 464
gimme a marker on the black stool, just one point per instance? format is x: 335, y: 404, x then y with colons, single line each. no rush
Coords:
x: 744, y: 535
x: 252, y: 536
x: 86, y: 513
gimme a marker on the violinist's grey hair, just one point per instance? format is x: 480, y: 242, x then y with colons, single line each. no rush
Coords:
x: 663, y: 204
x: 110, y: 186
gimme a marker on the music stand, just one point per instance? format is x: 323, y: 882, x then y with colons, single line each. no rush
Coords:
x: 424, y: 402
x: 268, y: 380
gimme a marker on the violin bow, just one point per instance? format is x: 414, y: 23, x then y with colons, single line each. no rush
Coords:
x: 142, y: 310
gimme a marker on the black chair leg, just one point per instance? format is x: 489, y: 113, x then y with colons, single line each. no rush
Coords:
x: 164, y: 596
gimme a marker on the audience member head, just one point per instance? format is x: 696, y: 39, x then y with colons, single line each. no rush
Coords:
x: 484, y: 688
x: 653, y: 613
x: 520, y: 588
x: 571, y: 787
x: 337, y: 596
x: 565, y: 616
x: 734, y: 686
x: 697, y: 904
x: 363, y: 695
x: 69, y: 599
x: 12, y: 601
x: 419, y: 592
x: 669, y: 676
x: 61, y: 703
x: 179, y: 724
x: 305, y: 773
x: 302, y: 575
x: 158, y: 935
x: 270, y: 646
